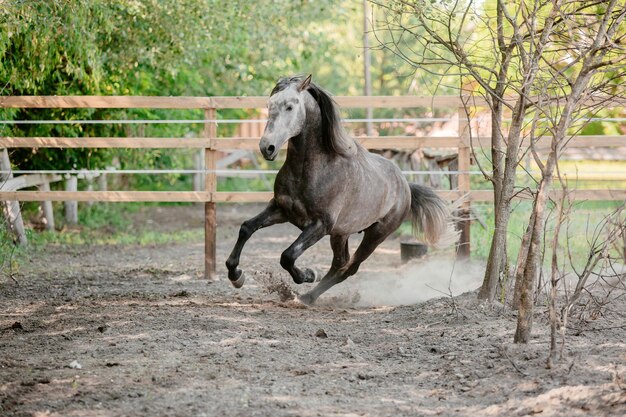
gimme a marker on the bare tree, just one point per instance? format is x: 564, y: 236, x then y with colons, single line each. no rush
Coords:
x: 580, y: 70
x: 529, y: 60
x: 563, y: 209
x: 595, y: 276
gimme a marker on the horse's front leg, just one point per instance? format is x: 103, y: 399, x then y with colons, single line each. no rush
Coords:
x: 309, y: 236
x: 271, y: 215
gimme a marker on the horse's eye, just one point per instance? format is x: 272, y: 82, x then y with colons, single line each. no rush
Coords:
x: 289, y: 108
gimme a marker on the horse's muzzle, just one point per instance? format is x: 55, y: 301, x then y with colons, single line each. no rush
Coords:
x: 269, y: 151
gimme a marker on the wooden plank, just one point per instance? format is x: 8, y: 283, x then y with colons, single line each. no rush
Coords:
x: 611, y: 194
x: 107, y: 196
x: 408, y: 142
x: 234, y: 143
x: 397, y: 101
x: 583, y: 141
x: 370, y: 142
x: 252, y: 102
x: 237, y: 143
x: 104, y: 142
x: 243, y: 197
x: 105, y: 102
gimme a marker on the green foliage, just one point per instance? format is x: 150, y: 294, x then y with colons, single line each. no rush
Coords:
x: 148, y: 47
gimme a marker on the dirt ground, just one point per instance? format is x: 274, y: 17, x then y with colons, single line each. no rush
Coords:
x: 136, y: 331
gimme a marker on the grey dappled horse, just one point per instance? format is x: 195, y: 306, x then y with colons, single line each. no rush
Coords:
x: 331, y: 185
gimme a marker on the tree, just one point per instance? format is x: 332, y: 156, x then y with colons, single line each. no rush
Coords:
x: 543, y: 63
x: 129, y: 47
x: 592, y: 75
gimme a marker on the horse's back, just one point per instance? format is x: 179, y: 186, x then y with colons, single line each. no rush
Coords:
x: 377, y: 192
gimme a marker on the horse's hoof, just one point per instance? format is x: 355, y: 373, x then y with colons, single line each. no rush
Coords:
x: 239, y: 280
x: 306, y: 299
x: 310, y: 275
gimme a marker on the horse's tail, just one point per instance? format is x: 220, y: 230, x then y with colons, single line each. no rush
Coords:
x: 431, y: 217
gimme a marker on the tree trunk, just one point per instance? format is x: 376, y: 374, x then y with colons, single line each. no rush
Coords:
x: 521, y: 263
x: 496, y: 253
x: 504, y: 169
x: 532, y: 265
x: 554, y: 282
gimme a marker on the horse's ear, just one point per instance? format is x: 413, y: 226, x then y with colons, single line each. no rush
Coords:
x: 305, y: 84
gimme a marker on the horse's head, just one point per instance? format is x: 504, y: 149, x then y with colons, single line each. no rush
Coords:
x: 287, y: 116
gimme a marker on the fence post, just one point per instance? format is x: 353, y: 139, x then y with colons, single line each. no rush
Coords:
x: 464, y: 155
x: 11, y: 209
x: 46, y: 207
x: 210, y: 184
x: 71, y: 207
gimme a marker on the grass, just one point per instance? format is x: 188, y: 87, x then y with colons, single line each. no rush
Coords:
x: 100, y: 224
x: 585, y: 216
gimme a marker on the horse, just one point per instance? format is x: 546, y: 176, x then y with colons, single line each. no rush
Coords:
x: 331, y: 185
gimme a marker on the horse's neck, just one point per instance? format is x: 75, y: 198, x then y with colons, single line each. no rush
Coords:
x: 307, y: 148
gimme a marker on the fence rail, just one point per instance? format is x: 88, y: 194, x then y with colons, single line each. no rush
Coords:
x: 211, y: 144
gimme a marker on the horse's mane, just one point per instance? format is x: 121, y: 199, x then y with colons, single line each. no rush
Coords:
x: 334, y: 137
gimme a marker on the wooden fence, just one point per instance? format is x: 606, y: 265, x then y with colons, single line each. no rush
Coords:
x: 211, y: 144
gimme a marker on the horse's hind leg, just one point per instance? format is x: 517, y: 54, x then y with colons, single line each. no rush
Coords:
x: 373, y: 236
x: 269, y: 216
x: 341, y: 253
x: 309, y: 236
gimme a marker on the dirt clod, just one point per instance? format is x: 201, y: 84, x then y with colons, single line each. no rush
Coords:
x: 321, y: 334
x: 275, y: 285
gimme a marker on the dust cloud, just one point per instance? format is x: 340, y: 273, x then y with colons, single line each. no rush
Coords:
x: 412, y: 283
